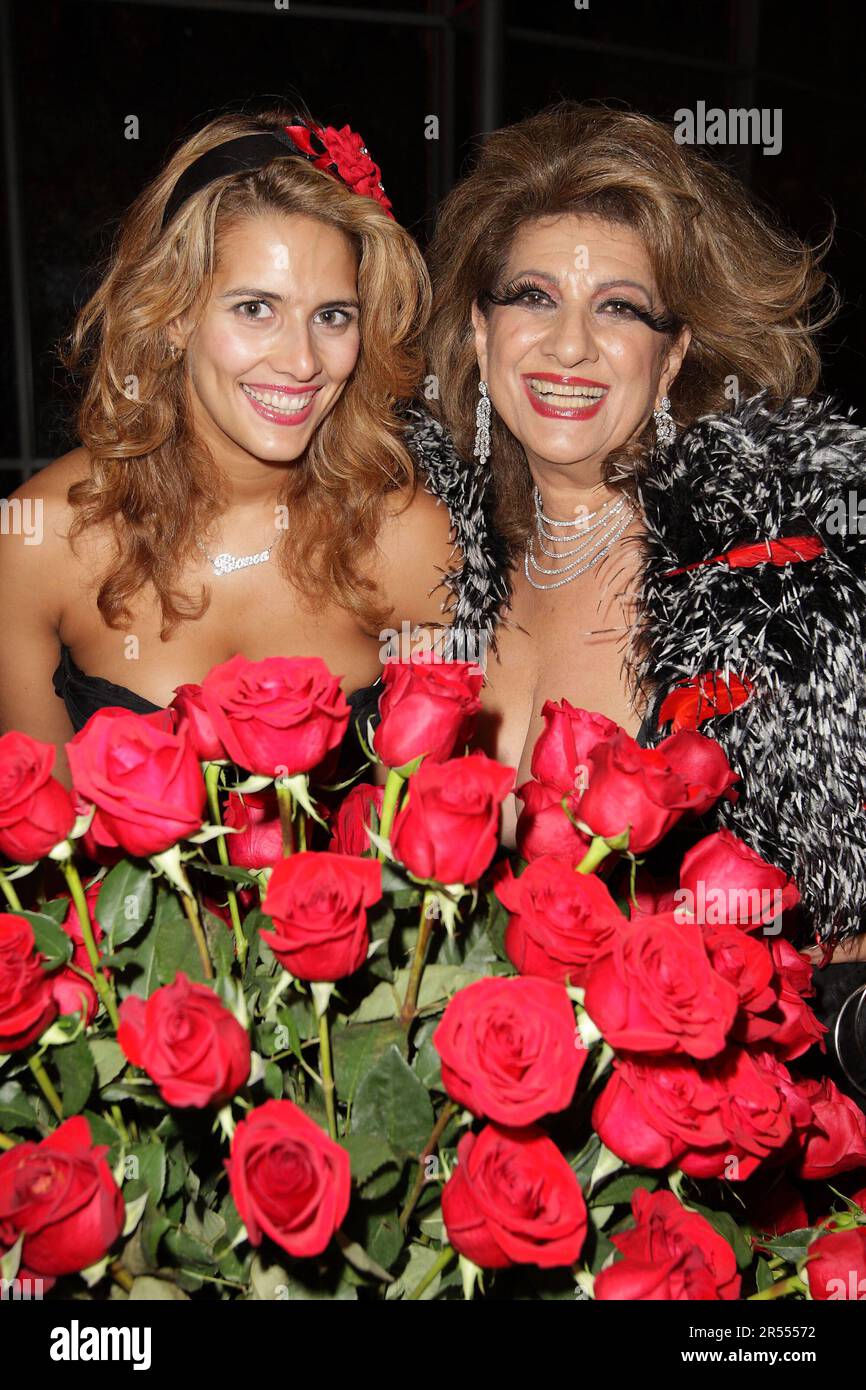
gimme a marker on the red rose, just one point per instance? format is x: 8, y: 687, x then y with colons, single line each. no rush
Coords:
x: 144, y: 780
x: 655, y: 990
x: 289, y: 1181
x: 670, y: 1254
x: 189, y: 704
x: 319, y: 902
x: 426, y: 707
x: 836, y: 1266
x: 508, y: 1049
x: 633, y: 788
x: 513, y: 1199
x: 727, y: 882
x: 651, y: 1113
x: 449, y: 828
x: 652, y: 895
x: 27, y: 1005
x: 795, y: 1026
x: 543, y: 826
x: 73, y: 994
x: 277, y: 717
x: 60, y: 1194
x: 755, y: 1115
x: 36, y: 812
x: 559, y: 757
x: 354, y: 819
x: 835, y: 1141
x: 256, y: 816
x: 702, y: 765
x: 748, y: 966
x: 186, y: 1040
x: 560, y: 922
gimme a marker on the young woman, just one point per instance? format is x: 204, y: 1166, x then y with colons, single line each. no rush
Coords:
x: 662, y: 490
x: 243, y: 482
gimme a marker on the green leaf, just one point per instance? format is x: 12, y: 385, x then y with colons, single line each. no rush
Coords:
x: 392, y: 1103
x: 55, y: 908
x: 357, y: 1047
x: 174, y: 945
x: 101, y: 1131
x: 108, y: 1058
x: 427, y: 1064
x: 421, y: 1257
x: 156, y: 1290
x: 383, y: 1237
x: 368, y: 1154
x: 124, y: 902
x: 234, y: 874
x: 147, y: 1163
x: 763, y: 1274
x: 621, y: 1187
x: 51, y: 941
x: 792, y: 1246
x: 77, y: 1071
x: 16, y: 1112
x: 726, y: 1226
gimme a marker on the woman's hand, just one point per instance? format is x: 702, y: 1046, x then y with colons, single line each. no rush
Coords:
x: 846, y: 953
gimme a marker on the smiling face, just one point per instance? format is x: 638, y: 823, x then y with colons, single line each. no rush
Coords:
x: 277, y: 338
x: 574, y: 358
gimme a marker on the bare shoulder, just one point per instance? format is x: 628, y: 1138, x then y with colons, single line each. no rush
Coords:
x: 35, y: 555
x: 47, y: 492
x: 415, y: 548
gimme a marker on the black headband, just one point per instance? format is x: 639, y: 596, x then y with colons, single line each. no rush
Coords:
x: 244, y: 153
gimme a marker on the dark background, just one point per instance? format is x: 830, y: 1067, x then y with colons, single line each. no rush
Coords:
x: 74, y: 70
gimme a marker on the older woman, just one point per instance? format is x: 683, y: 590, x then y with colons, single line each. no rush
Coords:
x: 625, y: 342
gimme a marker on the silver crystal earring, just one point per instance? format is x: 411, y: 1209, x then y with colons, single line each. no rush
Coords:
x: 482, y: 424
x: 666, y: 430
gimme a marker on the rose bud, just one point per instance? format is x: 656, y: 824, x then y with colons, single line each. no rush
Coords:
x: 187, y: 1041
x: 318, y: 902
x: 36, y: 812
x: 426, y: 708
x: 61, y: 1196
x: 289, y: 1181
x: 277, y: 717
x: 143, y: 779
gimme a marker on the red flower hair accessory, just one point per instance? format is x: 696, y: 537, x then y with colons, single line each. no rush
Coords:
x: 699, y: 698
x: 344, y: 154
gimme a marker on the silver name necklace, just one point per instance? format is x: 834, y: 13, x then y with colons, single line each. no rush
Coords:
x: 596, y: 532
x: 226, y: 563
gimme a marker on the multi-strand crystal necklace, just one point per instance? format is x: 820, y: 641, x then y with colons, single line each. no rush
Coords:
x: 596, y: 533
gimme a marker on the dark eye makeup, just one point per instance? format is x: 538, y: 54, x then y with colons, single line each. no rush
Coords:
x: 520, y: 292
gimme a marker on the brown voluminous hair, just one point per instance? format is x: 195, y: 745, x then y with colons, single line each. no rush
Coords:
x: 723, y: 264
x: 150, y: 478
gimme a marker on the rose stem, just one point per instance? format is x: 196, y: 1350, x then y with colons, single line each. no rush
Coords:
x: 597, y: 851
x: 103, y: 988
x: 190, y: 907
x: 784, y: 1286
x: 445, y: 1258
x: 393, y: 787
x: 9, y: 893
x: 6, y: 1142
x: 211, y: 781
x: 302, y: 830
x: 432, y: 1144
x: 327, y: 1073
x: 45, y: 1086
x: 425, y: 928
x: 120, y: 1275
x: 284, y: 801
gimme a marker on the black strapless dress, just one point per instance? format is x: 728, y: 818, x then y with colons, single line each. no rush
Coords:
x: 83, y: 695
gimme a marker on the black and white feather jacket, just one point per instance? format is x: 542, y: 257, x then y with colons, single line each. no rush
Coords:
x: 796, y: 631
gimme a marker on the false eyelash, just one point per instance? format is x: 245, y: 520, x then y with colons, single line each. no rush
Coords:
x: 512, y: 294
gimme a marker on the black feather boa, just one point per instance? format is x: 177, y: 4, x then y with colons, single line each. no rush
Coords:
x: 797, y: 632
